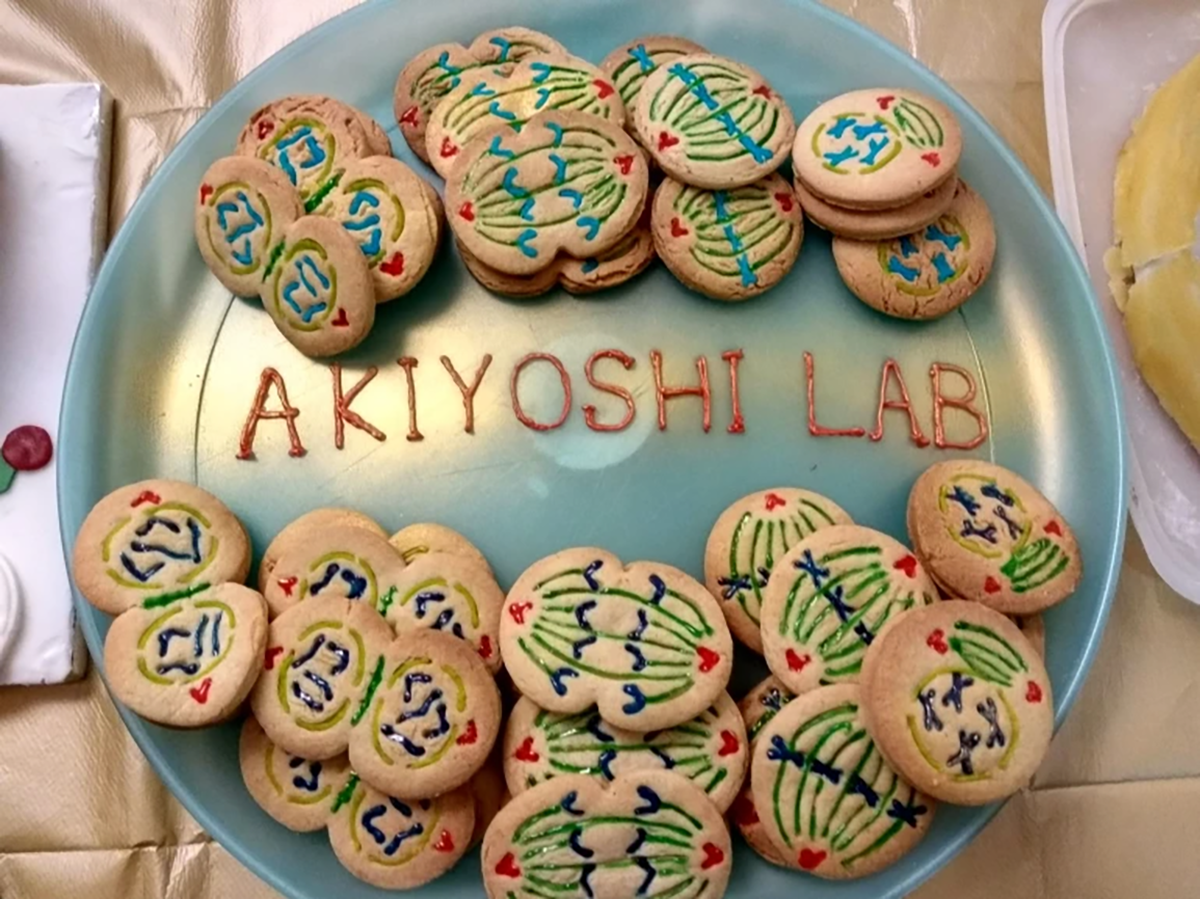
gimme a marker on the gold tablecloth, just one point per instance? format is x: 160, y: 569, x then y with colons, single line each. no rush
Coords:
x: 81, y: 812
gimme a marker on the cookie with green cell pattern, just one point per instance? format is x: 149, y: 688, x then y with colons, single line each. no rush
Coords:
x: 829, y: 597
x: 542, y: 83
x: 422, y: 537
x: 959, y: 702
x: 293, y: 534
x: 713, y: 122
x: 757, y: 708
x: 827, y: 798
x: 567, y: 184
x: 631, y: 63
x: 437, y: 70
x: 747, y: 540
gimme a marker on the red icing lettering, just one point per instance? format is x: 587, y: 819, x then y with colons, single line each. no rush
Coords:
x: 205, y: 192
x: 1054, y: 528
x: 885, y: 102
x: 265, y: 127
x: 287, y: 584
x: 259, y: 412
x: 738, y: 424
x: 811, y: 858
x: 467, y: 211
x: 563, y: 377
x: 518, y: 609
x: 343, y: 414
x: 445, y: 843
x: 468, y: 393
x: 729, y: 743
x: 448, y: 148
x: 937, y: 642
x: 485, y: 647
x: 525, y: 752
x: 625, y: 163
x: 408, y: 363
x: 763, y: 91
x: 891, y: 369
x: 589, y: 411
x: 908, y: 565
x: 662, y: 394
x: 273, y: 652
x: 603, y: 88
x: 1033, y: 693
x: 796, y: 662
x: 394, y: 266
x: 964, y: 402
x: 507, y: 866
x: 744, y: 812
x: 666, y: 140
x: 200, y: 693
x: 991, y: 585
x: 813, y: 428
x: 713, y: 856
x: 468, y: 736
x: 677, y: 229
x: 785, y: 201
x: 342, y: 320
x: 146, y: 496
x: 708, y: 659
x: 774, y: 501
x: 411, y: 117
x: 932, y: 158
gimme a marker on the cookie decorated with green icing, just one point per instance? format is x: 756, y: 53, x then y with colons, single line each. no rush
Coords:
x: 987, y: 534
x: 959, y: 702
x: 568, y: 183
x: 728, y: 244
x: 828, y: 598
x: 710, y: 750
x: 187, y: 659
x: 382, y: 203
x: 308, y: 137
x: 426, y: 537
x: 397, y: 844
x: 828, y: 799
x: 321, y: 668
x: 877, y: 224
x: 629, y: 65
x: 453, y: 594
x: 293, y: 535
x: 876, y: 148
x: 432, y: 721
x: 242, y: 207
x: 644, y: 642
x: 297, y: 792
x: 318, y: 288
x: 649, y: 833
x: 750, y: 536
x: 155, y: 539
x: 543, y: 83
x: 929, y: 272
x: 336, y: 560
x: 712, y: 122
x: 757, y: 708
x: 439, y: 69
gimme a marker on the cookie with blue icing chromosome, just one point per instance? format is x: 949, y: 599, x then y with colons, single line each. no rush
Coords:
x: 631, y: 63
x: 877, y: 224
x: 644, y: 642
x: 929, y: 272
x: 648, y: 833
x: 293, y: 535
x: 757, y: 708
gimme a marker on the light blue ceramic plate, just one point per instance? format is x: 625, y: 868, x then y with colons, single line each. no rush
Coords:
x: 166, y: 364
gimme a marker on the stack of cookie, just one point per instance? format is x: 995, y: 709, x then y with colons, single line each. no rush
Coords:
x: 313, y: 215
x: 879, y: 169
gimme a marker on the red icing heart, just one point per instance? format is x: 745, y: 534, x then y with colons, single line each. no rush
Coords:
x: 410, y: 117
x: 729, y: 743
x: 525, y: 752
x: 908, y: 565
x: 708, y: 659
x: 445, y: 843
x: 200, y: 693
x: 937, y: 642
x: 1033, y: 693
x: 811, y: 858
x: 932, y: 158
x: 205, y: 192
x: 991, y: 585
x: 713, y: 856
x: 785, y: 201
x: 394, y: 266
x: 603, y: 88
x: 287, y: 584
x: 885, y: 102
x: 265, y: 127
x: 518, y: 609
x: 666, y: 140
x: 763, y: 91
x: 625, y: 162
x: 745, y: 813
x: 774, y: 500
x: 485, y: 647
x: 146, y: 496
x: 1054, y: 528
x: 470, y: 735
x: 507, y: 866
x: 273, y: 652
x: 795, y: 662
x: 467, y: 211
x: 677, y: 229
x: 448, y: 148
x: 342, y: 320
x: 27, y: 448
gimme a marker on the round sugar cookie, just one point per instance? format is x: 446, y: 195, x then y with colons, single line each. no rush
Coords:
x: 710, y: 750
x: 959, y: 702
x: 568, y: 183
x: 587, y: 837
x: 432, y: 721
x: 712, y: 122
x: 1034, y: 629
x: 154, y: 539
x: 318, y: 288
x: 321, y: 668
x: 188, y: 660
x: 490, y: 793
x: 728, y: 244
x: 927, y: 273
x: 877, y: 224
x: 630, y: 64
x: 987, y: 534
x: 747, y: 539
x: 644, y: 642
x: 396, y: 844
x: 827, y: 798
x: 414, y: 540
x: 242, y: 208
x: 292, y: 534
x: 383, y: 204
x: 876, y: 148
x: 378, y: 143
x: 829, y: 597
x: 542, y: 83
x: 515, y: 286
x: 299, y: 793
x: 437, y: 70
x: 757, y: 708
